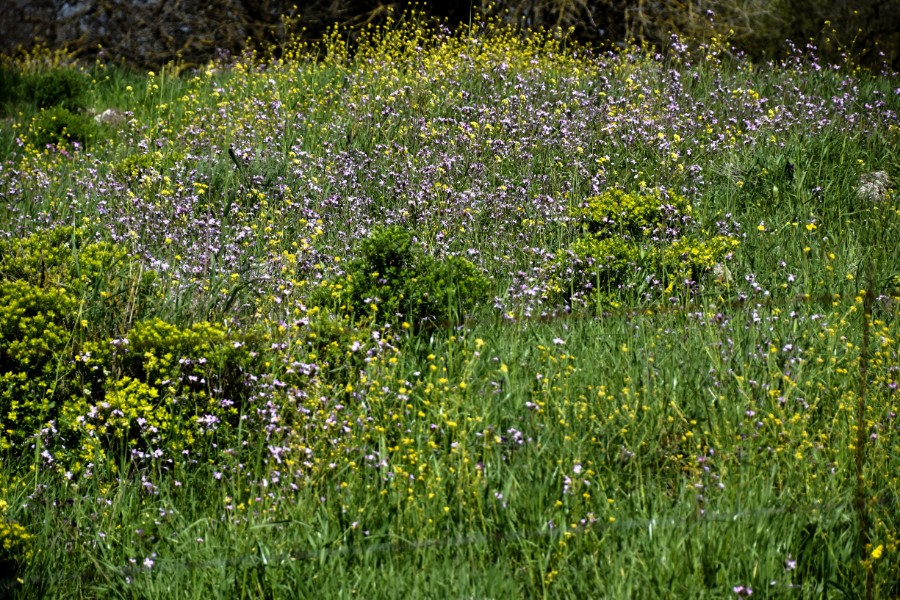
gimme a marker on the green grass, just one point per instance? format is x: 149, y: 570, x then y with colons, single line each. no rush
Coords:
x: 664, y: 439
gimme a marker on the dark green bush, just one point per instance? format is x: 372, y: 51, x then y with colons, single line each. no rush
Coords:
x: 10, y: 81
x: 405, y: 284
x: 59, y: 125
x: 60, y: 87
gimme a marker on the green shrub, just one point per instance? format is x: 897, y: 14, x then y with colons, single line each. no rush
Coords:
x: 36, y: 326
x: 15, y: 544
x: 60, y: 126
x: 134, y: 165
x: 635, y: 215
x: 59, y: 293
x: 79, y: 369
x: 156, y: 393
x: 692, y: 257
x: 113, y: 287
x: 64, y: 88
x: 203, y: 358
x: 10, y: 81
x: 644, y: 242
x: 405, y: 284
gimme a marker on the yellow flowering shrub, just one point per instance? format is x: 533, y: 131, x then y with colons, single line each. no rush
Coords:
x: 135, y: 165
x: 15, y: 543
x: 35, y: 329
x: 690, y: 257
x: 642, y: 242
x: 73, y: 366
x: 162, y: 389
x: 58, y: 291
x: 635, y: 213
x: 108, y: 282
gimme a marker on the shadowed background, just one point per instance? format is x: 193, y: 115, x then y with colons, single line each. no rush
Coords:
x: 150, y: 33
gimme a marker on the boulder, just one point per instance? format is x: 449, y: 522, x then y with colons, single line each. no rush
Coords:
x: 874, y: 186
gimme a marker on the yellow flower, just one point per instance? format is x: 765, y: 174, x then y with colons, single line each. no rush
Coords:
x: 876, y: 553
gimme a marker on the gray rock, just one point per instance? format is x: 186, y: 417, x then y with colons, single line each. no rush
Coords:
x: 110, y: 116
x: 722, y: 274
x: 874, y: 186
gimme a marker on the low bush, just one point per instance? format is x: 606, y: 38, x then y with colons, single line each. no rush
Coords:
x: 113, y: 289
x: 643, y: 242
x: 15, y: 544
x: 164, y: 392
x: 65, y: 88
x: 60, y: 126
x: 81, y: 365
x: 403, y: 283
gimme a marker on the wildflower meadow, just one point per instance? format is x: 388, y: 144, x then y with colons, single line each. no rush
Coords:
x: 450, y: 314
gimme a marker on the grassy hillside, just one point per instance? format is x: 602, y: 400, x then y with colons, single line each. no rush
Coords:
x: 484, y: 315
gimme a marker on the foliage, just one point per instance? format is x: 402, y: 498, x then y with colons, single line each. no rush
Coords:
x: 15, y: 545
x: 111, y: 287
x: 60, y: 126
x: 644, y: 240
x: 155, y: 388
x: 405, y: 284
x: 59, y: 87
x: 193, y: 35
x: 164, y: 391
x: 58, y: 290
x: 239, y: 408
x: 9, y: 85
x: 36, y: 327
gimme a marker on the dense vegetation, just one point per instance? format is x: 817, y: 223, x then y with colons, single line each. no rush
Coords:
x: 474, y: 314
